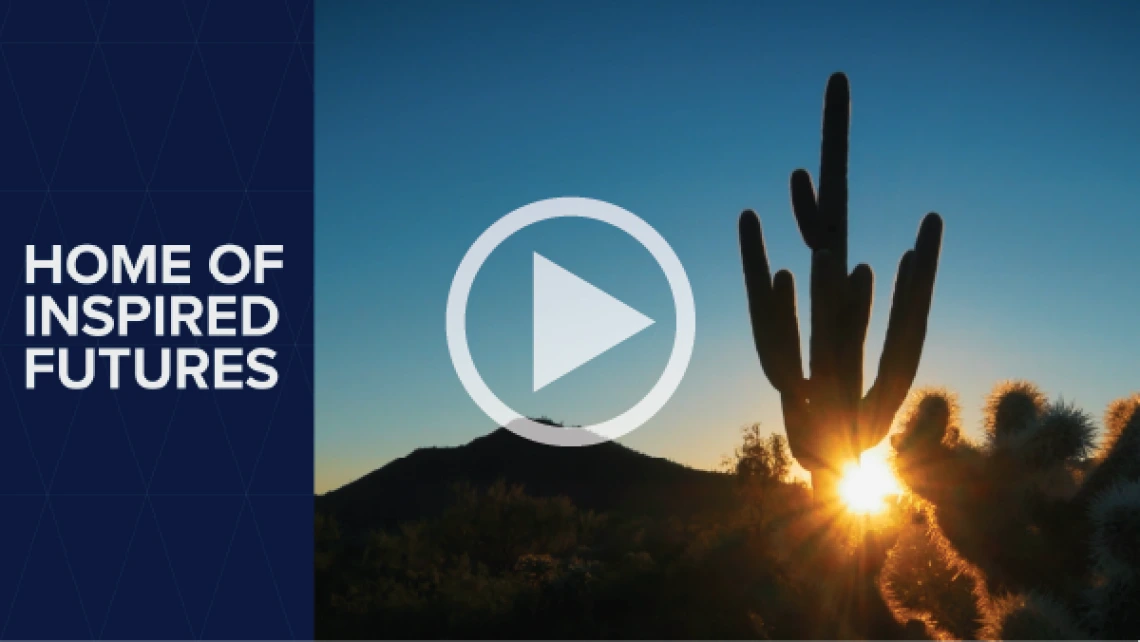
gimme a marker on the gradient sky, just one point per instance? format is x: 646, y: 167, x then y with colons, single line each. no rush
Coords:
x: 1017, y: 121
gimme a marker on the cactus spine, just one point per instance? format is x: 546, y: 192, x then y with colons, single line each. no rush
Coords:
x: 827, y: 418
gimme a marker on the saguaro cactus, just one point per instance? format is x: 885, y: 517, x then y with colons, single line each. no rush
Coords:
x: 828, y: 419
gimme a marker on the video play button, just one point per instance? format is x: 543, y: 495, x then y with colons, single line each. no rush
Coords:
x: 574, y: 322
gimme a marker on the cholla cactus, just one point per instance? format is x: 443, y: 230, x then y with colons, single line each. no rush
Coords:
x: 1114, y: 598
x: 1116, y: 532
x: 1011, y: 407
x: 1052, y: 530
x: 1029, y: 617
x: 1061, y: 433
x: 828, y: 420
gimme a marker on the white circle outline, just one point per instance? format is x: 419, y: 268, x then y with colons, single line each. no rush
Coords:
x: 628, y: 222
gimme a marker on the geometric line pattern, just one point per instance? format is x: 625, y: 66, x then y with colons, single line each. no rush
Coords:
x: 178, y: 513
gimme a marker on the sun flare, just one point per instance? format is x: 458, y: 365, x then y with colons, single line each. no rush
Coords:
x: 865, y: 486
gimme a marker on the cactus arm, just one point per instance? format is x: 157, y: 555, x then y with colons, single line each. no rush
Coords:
x: 805, y: 208
x: 860, y: 293
x: 884, y: 399
x: 772, y: 309
x: 920, y: 294
x: 1119, y: 458
x: 906, y: 331
x: 823, y: 221
x: 787, y: 326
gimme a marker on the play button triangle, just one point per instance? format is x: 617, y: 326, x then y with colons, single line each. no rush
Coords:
x: 574, y: 322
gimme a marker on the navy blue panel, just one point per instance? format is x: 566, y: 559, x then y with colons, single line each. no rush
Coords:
x: 133, y: 513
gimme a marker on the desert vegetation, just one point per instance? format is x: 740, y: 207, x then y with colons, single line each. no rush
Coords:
x: 1045, y: 521
x: 1028, y: 534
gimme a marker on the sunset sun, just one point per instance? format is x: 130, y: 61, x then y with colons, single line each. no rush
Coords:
x: 866, y: 485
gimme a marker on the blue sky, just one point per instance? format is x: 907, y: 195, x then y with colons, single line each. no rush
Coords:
x: 1016, y: 121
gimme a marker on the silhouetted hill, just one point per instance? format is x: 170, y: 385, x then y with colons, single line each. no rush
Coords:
x: 606, y: 476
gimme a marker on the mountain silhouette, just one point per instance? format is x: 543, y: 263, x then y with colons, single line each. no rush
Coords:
x: 602, y: 477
